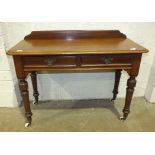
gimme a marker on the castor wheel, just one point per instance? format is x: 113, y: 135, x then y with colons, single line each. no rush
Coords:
x: 122, y: 118
x: 112, y: 100
x: 27, y: 125
x: 34, y: 102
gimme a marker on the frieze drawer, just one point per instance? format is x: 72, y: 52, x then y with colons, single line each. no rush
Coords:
x: 49, y: 61
x: 101, y: 60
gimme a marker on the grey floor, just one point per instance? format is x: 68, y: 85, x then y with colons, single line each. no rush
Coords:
x: 81, y: 115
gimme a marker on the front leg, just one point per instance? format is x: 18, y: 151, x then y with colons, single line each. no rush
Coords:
x: 131, y: 83
x: 25, y: 100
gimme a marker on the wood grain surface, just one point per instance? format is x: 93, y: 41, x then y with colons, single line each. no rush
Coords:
x: 76, y: 42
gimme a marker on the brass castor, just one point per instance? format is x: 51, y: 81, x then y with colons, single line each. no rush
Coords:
x: 122, y: 118
x: 112, y: 100
x: 34, y: 102
x: 27, y: 125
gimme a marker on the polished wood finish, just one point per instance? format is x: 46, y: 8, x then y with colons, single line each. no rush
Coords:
x: 34, y: 85
x: 117, y: 80
x: 23, y: 85
x: 25, y: 96
x: 131, y: 83
x: 76, y: 51
x: 77, y: 61
x: 49, y: 61
x: 75, y: 34
x: 87, y: 42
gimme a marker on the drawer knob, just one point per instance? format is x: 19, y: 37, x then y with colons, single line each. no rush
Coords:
x: 106, y: 60
x: 49, y: 61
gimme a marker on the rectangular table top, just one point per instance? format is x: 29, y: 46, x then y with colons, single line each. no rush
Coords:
x: 63, y: 46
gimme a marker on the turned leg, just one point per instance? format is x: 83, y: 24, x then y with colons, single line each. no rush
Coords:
x: 25, y: 100
x: 34, y: 85
x: 131, y: 83
x: 117, y: 80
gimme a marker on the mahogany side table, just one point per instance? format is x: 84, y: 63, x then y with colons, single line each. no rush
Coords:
x: 76, y: 51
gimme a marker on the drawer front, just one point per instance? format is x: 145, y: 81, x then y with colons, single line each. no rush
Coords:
x: 49, y: 61
x: 102, y: 60
x: 78, y: 62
